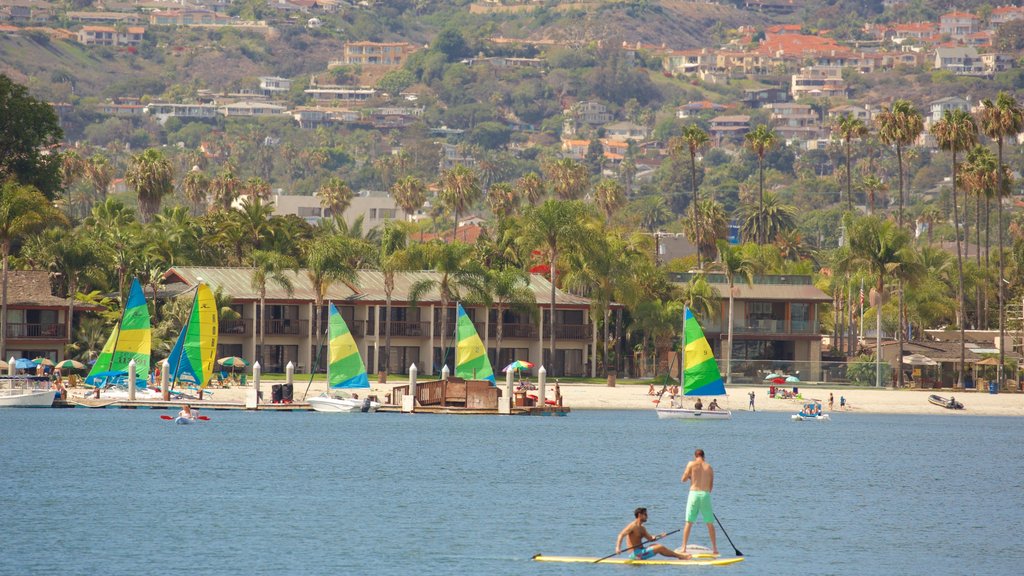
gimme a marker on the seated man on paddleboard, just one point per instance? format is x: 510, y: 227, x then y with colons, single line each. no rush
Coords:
x: 635, y: 533
x: 702, y: 480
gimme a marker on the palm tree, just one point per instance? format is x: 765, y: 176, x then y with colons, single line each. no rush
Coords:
x: 569, y: 179
x: 553, y: 226
x: 767, y: 222
x: 152, y: 176
x: 760, y: 141
x: 410, y: 194
x: 707, y: 224
x: 886, y: 251
x: 195, y: 186
x: 393, y: 258
x: 652, y: 211
x: 899, y: 126
x: 700, y: 296
x: 257, y: 188
x: 23, y: 208
x: 609, y: 196
x: 335, y: 196
x: 999, y: 120
x: 225, y: 187
x: 460, y: 189
x: 957, y: 132
x: 269, y: 267
x: 99, y: 173
x: 326, y: 261
x: 850, y: 127
x: 502, y: 199
x: 734, y: 265
x: 872, y: 186
x: 507, y: 288
x: 530, y: 187
x: 458, y: 275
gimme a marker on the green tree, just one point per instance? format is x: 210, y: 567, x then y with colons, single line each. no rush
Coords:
x: 530, y: 187
x: 28, y: 131
x: 394, y: 257
x: 23, y: 208
x: 502, y: 199
x: 326, y: 259
x: 760, y: 141
x: 610, y: 196
x: 899, y: 126
x: 957, y: 132
x: 460, y: 189
x: 335, y: 196
x: 152, y: 176
x: 764, y: 222
x: 999, y: 120
x: 269, y: 267
x: 735, y: 265
x: 195, y: 185
x: 707, y: 224
x: 410, y: 194
x: 850, y: 127
x: 568, y: 178
x: 507, y: 288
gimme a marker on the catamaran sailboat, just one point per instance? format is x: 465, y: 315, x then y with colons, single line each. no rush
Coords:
x: 700, y: 375
x: 345, y: 370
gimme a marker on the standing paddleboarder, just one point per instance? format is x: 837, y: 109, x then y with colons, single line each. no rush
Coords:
x: 702, y: 480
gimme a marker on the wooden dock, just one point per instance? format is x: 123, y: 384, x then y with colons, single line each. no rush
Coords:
x: 296, y: 406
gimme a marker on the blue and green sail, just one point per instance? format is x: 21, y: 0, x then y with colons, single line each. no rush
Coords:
x: 700, y: 369
x: 193, y: 356
x: 471, y: 360
x: 345, y: 368
x: 130, y: 340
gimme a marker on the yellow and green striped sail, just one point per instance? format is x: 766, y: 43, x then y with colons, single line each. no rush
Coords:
x: 345, y: 368
x: 700, y: 370
x: 471, y: 360
x: 129, y: 341
x: 194, y: 353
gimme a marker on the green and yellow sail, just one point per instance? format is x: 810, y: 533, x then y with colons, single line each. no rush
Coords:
x: 345, y: 368
x: 471, y: 360
x: 130, y: 340
x: 700, y: 369
x: 195, y: 352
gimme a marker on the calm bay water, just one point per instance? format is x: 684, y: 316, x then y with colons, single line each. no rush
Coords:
x: 123, y: 492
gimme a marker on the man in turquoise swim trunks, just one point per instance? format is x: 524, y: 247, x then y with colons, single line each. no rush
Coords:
x: 635, y: 533
x: 702, y: 480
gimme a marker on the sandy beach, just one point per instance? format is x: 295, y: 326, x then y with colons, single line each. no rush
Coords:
x: 635, y: 397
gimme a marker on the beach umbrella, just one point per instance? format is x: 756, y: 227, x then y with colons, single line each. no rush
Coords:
x: 990, y: 361
x: 24, y: 364
x: 771, y: 376
x: 778, y: 380
x: 4, y: 365
x: 233, y: 362
x: 43, y: 361
x: 518, y: 365
x: 70, y: 365
x: 792, y: 379
x: 919, y: 360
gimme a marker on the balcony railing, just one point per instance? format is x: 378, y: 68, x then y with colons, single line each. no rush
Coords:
x: 573, y: 331
x: 45, y: 331
x: 771, y: 326
x: 407, y: 329
x: 285, y: 327
x: 513, y: 331
x: 356, y: 327
x: 240, y: 327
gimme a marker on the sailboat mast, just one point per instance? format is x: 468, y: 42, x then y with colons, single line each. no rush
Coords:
x: 682, y: 354
x: 319, y: 352
x: 113, y: 351
x: 184, y: 330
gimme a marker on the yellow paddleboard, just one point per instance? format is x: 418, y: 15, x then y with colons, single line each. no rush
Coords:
x: 698, y: 560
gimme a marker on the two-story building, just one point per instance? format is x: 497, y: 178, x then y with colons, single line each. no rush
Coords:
x: 376, y: 208
x: 111, y: 36
x: 819, y: 81
x: 794, y: 121
x: 274, y: 86
x: 961, y: 60
x: 37, y: 321
x: 775, y: 325
x: 293, y: 334
x: 939, y: 107
x: 387, y: 54
x: 959, y: 24
x: 729, y: 128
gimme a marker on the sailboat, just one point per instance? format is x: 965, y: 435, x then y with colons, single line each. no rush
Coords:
x: 192, y: 358
x: 130, y: 340
x: 345, y: 370
x: 700, y: 374
x: 471, y: 362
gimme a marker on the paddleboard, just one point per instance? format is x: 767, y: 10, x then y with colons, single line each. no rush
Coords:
x: 656, y: 561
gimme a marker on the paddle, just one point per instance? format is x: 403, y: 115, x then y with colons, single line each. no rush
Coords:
x: 734, y: 548
x: 655, y: 539
x: 166, y: 417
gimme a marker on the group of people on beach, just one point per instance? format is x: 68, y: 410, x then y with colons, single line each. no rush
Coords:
x: 642, y: 545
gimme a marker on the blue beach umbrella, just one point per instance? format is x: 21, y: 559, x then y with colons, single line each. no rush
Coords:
x: 24, y: 364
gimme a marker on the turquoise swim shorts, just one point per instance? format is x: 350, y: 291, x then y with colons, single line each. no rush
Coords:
x: 699, y: 501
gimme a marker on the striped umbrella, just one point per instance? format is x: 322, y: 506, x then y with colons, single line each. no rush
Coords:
x: 43, y: 361
x: 70, y: 365
x: 233, y: 362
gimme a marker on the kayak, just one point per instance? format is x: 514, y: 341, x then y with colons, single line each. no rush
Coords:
x: 656, y: 561
x: 184, y: 420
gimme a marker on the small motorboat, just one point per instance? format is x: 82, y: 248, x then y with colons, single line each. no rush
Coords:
x: 326, y: 403
x: 950, y: 403
x: 811, y: 412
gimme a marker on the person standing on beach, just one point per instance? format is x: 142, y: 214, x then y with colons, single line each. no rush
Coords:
x: 635, y: 533
x: 702, y: 480
x: 751, y: 407
x: 829, y: 401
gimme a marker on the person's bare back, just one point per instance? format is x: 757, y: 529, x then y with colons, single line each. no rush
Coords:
x: 700, y: 474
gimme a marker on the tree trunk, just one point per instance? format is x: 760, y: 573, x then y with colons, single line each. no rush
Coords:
x: 728, y: 354
x: 499, y: 332
x: 387, y: 332
x: 262, y: 319
x: 3, y: 304
x: 878, y: 334
x: 849, y: 177
x: 73, y: 288
x: 899, y: 336
x: 899, y: 164
x: 551, y: 319
x: 960, y: 278
x: 999, y: 281
x: 761, y: 237
x: 604, y: 345
x: 693, y: 185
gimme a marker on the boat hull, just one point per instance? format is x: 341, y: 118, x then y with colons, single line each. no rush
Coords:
x: 818, y: 418
x: 26, y: 398
x: 944, y: 402
x: 684, y: 414
x: 184, y: 421
x: 657, y: 561
x: 330, y: 404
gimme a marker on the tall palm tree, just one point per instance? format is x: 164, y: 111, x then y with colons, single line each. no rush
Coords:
x: 706, y: 226
x: 760, y: 141
x: 849, y: 127
x: 152, y: 176
x: 999, y: 120
x: 886, y: 251
x: 327, y: 260
x: 335, y: 195
x: 257, y: 187
x: 768, y: 220
x: 394, y: 257
x: 530, y: 187
x: 225, y: 188
x: 23, y: 208
x: 568, y: 178
x: 459, y: 275
x: 99, y: 172
x: 899, y: 126
x: 507, y: 288
x: 957, y: 132
x: 195, y: 185
x: 553, y: 226
x: 872, y: 186
x: 502, y: 199
x: 410, y: 194
x: 269, y: 267
x: 460, y: 189
x: 732, y: 263
x: 609, y: 196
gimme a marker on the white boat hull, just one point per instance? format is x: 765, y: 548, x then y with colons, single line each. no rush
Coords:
x: 331, y: 404
x: 26, y: 398
x: 820, y: 418
x: 182, y: 420
x: 684, y: 414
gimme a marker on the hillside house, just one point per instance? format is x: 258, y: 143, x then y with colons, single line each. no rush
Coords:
x: 939, y: 107
x: 251, y: 109
x: 386, y: 54
x: 165, y: 110
x: 375, y: 207
x: 333, y: 93
x: 1004, y: 14
x: 794, y: 121
x: 625, y: 130
x: 698, y: 109
x: 758, y: 97
x: 189, y: 17
x: 729, y: 128
x: 959, y: 24
x: 275, y: 87
x: 819, y: 82
x: 590, y: 112
x: 111, y: 36
x: 961, y: 60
